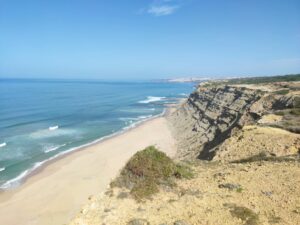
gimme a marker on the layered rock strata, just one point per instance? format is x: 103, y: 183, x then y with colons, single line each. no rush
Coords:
x: 208, y: 117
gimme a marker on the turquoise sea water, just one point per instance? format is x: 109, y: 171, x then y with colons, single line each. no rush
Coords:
x: 42, y: 119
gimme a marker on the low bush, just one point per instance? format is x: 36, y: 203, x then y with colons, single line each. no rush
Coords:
x: 148, y: 169
x: 282, y: 92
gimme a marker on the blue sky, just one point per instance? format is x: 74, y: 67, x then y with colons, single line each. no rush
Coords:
x: 148, y: 39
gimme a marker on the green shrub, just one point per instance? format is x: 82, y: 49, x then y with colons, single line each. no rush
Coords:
x: 297, y: 102
x: 183, y: 171
x: 281, y: 92
x: 148, y: 169
x: 239, y: 190
x: 260, y: 80
x: 295, y: 111
x: 262, y: 156
x: 279, y: 113
x: 247, y: 215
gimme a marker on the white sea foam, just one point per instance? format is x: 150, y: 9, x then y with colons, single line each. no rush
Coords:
x: 126, y: 119
x: 51, y: 149
x: 137, y: 110
x: 47, y: 133
x: 183, y: 94
x: 17, y: 180
x: 53, y: 128
x: 144, y: 117
x: 2, y: 169
x: 132, y: 119
x: 152, y: 99
x: 2, y: 144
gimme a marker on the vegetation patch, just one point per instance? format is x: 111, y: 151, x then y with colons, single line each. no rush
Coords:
x: 148, y: 169
x: 262, y: 156
x: 239, y: 190
x: 295, y: 111
x: 231, y: 187
x: 260, y: 80
x: 280, y: 113
x: 282, y: 92
x: 288, y: 112
x: 122, y: 195
x: 248, y: 216
x: 255, y: 80
x: 297, y: 102
x: 245, y: 214
x: 138, y: 222
x: 290, y: 120
x: 275, y: 219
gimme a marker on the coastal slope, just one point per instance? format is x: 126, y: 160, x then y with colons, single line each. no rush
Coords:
x: 233, y: 194
x: 242, y: 143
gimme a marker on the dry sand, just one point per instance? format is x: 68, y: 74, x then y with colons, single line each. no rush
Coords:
x: 56, y: 193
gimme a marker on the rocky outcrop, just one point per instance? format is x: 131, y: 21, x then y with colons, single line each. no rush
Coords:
x: 209, y: 116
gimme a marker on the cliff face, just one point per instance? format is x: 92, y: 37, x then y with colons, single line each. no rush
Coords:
x: 208, y: 117
x: 262, y: 132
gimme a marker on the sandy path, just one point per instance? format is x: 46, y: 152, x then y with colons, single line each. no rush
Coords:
x: 56, y: 193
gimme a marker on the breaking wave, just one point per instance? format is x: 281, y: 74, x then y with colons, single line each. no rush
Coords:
x: 53, y: 128
x: 51, y: 149
x: 2, y: 144
x: 152, y: 99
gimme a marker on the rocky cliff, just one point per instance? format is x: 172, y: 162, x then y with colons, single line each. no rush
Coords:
x: 209, y: 116
x: 252, y: 134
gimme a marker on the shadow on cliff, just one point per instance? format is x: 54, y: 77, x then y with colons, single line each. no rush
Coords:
x: 208, y: 152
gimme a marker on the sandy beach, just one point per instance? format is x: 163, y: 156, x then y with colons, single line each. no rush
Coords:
x: 57, y: 192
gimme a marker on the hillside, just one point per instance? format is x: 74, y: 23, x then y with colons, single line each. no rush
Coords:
x: 241, y: 142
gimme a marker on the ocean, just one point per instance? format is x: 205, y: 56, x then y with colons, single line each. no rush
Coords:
x: 43, y: 119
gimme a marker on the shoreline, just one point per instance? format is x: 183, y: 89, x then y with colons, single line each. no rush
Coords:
x: 43, y: 164
x: 158, y: 134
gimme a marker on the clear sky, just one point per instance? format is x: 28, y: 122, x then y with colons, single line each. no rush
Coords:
x: 148, y: 39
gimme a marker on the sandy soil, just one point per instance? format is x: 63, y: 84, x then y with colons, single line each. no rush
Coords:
x: 267, y: 88
x: 206, y: 200
x: 270, y: 118
x: 255, y: 140
x: 56, y: 193
x: 222, y: 193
